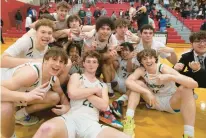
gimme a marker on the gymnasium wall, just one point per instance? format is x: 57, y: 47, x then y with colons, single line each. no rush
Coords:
x: 8, y: 11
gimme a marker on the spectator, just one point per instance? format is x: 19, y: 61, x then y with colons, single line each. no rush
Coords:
x: 82, y: 14
x: 162, y: 24
x: 103, y: 12
x: 28, y: 22
x: 195, y: 59
x: 97, y: 13
x: 142, y: 17
x: 159, y: 15
x: 121, y: 13
x: 151, y: 22
x: 1, y: 26
x: 19, y: 19
x: 166, y: 4
x: 203, y: 26
x: 114, y: 16
x: 34, y: 13
x: 132, y: 11
x: 89, y: 16
x: 126, y: 15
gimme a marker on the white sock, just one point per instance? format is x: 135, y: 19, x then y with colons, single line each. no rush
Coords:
x: 21, y: 113
x: 130, y: 113
x: 109, y: 88
x: 13, y: 136
x: 108, y: 108
x: 189, y: 130
x: 123, y: 98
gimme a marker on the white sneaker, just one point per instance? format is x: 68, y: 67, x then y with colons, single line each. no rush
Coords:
x: 27, y: 120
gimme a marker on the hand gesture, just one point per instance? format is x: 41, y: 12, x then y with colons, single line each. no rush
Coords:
x: 36, y: 94
x: 75, y: 30
x: 194, y: 65
x: 151, y: 99
x: 165, y: 50
x: 94, y: 45
x: 61, y: 109
x: 128, y: 35
x: 131, y: 55
x: 179, y: 66
x: 119, y: 48
x: 112, y: 52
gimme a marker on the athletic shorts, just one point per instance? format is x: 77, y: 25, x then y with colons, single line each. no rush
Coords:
x: 81, y: 126
x: 121, y: 87
x: 164, y: 104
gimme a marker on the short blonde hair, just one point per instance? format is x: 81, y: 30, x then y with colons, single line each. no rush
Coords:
x: 44, y: 22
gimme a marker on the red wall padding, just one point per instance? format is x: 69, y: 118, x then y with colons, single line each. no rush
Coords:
x: 8, y: 11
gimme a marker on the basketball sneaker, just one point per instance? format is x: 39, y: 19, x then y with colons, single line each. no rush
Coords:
x: 116, y: 107
x: 27, y: 120
x: 108, y: 118
x: 186, y: 136
x: 129, y: 126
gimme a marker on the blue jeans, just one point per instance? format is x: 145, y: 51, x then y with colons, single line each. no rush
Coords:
x: 162, y: 29
x: 89, y: 21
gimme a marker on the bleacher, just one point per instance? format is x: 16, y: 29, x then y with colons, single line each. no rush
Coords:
x: 192, y: 24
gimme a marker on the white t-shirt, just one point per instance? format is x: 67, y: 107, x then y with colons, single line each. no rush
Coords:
x: 24, y: 47
x: 60, y: 24
x: 166, y: 2
x: 111, y: 42
x: 155, y: 45
x: 28, y: 22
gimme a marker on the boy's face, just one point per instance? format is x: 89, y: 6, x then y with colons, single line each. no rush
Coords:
x: 54, y: 65
x: 104, y: 32
x: 74, y: 23
x: 90, y: 64
x: 121, y: 30
x: 199, y: 46
x: 148, y: 62
x: 124, y: 52
x: 147, y: 35
x: 62, y: 12
x: 44, y: 35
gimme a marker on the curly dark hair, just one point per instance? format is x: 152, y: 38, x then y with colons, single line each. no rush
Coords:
x: 101, y: 21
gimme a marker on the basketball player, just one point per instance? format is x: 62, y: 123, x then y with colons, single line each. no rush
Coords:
x: 127, y: 64
x: 34, y: 86
x: 122, y: 33
x: 29, y: 49
x: 32, y: 49
x: 88, y: 95
x: 160, y: 91
x: 147, y: 41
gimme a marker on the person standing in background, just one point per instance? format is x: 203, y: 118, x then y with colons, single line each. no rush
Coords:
x: 82, y: 14
x: 89, y: 16
x: 2, y: 23
x: 19, y: 19
x: 28, y: 22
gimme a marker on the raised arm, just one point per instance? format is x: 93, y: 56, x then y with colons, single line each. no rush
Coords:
x: 76, y: 92
x: 179, y: 78
x: 102, y: 102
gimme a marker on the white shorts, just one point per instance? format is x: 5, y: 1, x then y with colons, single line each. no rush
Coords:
x: 164, y: 104
x: 121, y: 87
x: 81, y: 126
